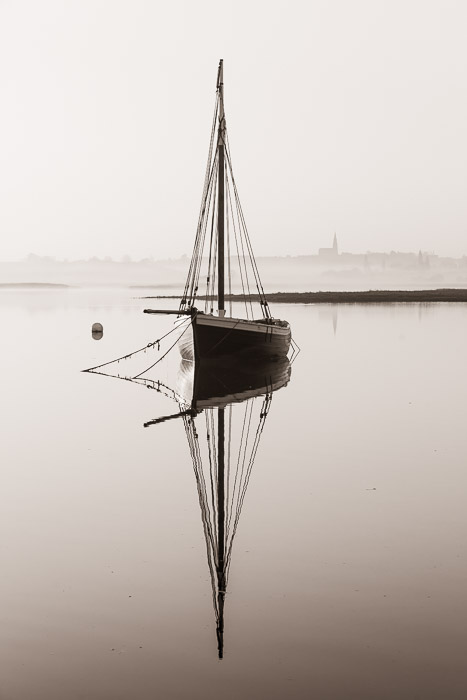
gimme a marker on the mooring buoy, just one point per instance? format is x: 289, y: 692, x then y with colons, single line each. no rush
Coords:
x: 97, y: 331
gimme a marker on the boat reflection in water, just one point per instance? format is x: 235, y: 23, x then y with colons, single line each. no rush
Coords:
x: 224, y: 404
x: 234, y: 402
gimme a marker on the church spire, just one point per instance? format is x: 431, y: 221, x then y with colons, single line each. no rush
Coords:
x: 334, y: 245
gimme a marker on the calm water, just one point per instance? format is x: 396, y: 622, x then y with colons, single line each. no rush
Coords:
x: 348, y: 574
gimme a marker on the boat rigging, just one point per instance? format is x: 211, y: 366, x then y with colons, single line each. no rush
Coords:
x: 222, y: 229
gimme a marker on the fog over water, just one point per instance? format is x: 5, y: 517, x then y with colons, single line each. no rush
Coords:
x: 348, y: 568
x: 342, y: 271
x: 346, y: 117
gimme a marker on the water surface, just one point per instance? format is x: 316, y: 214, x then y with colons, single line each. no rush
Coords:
x: 348, y: 573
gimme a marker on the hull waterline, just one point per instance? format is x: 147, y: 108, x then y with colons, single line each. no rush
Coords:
x: 214, y: 337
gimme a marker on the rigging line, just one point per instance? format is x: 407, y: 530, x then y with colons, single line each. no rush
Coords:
x: 229, y: 440
x: 211, y: 260
x: 135, y: 352
x: 214, y: 465
x: 166, y: 353
x: 244, y: 488
x: 215, y: 233
x: 242, y: 261
x: 203, y: 500
x: 253, y: 260
x: 206, y: 513
x: 193, y: 444
x: 211, y: 143
x: 246, y: 444
x: 229, y: 269
x: 242, y: 237
x: 226, y: 479
x: 264, y: 412
x: 212, y: 472
x: 199, y: 474
x: 206, y: 179
x: 296, y: 350
x: 250, y: 464
x: 242, y: 268
x: 259, y: 285
x: 198, y: 253
x: 236, y: 245
x: 265, y: 409
x: 208, y: 280
x: 211, y: 271
x: 191, y: 285
x: 209, y: 158
x: 237, y: 202
x: 155, y: 384
x: 244, y: 477
x: 203, y: 225
x: 211, y: 274
x: 238, y: 459
x: 172, y: 395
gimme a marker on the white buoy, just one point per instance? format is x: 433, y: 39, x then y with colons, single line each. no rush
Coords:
x: 97, y: 331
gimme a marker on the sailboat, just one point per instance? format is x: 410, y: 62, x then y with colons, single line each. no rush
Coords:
x: 221, y: 331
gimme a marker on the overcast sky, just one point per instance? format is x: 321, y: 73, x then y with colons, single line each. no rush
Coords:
x: 343, y: 115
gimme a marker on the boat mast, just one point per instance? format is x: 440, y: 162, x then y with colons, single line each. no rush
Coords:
x: 220, y: 194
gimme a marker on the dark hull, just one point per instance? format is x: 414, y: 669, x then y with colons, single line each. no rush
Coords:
x: 214, y: 337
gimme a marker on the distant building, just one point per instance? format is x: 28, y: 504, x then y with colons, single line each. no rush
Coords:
x: 330, y: 253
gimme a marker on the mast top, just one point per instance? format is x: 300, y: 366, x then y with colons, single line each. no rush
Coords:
x: 220, y: 74
x: 220, y: 90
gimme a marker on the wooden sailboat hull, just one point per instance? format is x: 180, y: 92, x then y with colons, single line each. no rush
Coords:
x: 214, y: 336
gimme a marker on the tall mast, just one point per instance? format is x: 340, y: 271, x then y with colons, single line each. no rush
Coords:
x: 220, y: 197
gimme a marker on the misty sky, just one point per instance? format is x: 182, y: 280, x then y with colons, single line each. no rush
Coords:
x: 346, y: 116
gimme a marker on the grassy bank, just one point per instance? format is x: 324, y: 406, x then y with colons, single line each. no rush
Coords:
x: 369, y: 297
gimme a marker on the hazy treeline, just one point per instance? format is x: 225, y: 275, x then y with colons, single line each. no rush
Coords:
x: 301, y: 273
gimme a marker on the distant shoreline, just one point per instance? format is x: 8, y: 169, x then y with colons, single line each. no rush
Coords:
x: 32, y: 285
x: 369, y: 297
x: 373, y: 296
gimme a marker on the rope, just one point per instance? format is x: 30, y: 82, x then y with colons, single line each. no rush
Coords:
x: 229, y: 270
x: 295, y: 350
x: 210, y: 280
x: 150, y: 384
x: 223, y: 338
x: 259, y: 431
x: 242, y: 271
x: 259, y: 286
x: 191, y: 285
x: 135, y: 352
x: 166, y: 353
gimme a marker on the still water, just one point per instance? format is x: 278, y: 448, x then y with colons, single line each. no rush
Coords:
x: 348, y: 568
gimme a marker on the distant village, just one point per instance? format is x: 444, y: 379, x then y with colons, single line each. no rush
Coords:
x: 328, y: 269
x: 325, y: 256
x: 421, y: 259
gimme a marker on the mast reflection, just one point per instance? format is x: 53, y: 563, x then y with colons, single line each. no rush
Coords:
x: 235, y: 403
